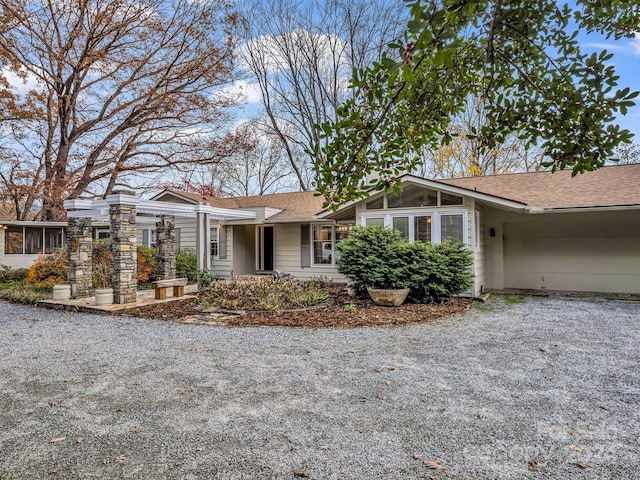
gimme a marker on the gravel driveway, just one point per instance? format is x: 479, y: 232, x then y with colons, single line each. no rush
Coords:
x: 538, y: 388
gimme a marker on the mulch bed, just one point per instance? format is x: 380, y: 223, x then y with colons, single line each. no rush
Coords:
x: 366, y: 313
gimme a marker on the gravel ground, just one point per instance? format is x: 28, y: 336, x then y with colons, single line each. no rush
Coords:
x: 534, y: 388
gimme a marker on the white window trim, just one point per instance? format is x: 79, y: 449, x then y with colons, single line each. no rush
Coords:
x: 215, y: 238
x: 435, y: 221
x: 333, y: 245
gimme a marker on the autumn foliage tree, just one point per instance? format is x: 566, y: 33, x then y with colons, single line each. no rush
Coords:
x: 111, y: 89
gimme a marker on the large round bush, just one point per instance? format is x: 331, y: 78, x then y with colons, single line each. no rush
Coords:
x: 380, y: 258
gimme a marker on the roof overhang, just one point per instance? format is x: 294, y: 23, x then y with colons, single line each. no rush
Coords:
x: 99, y: 209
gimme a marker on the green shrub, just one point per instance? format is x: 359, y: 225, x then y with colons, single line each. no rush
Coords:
x: 29, y: 294
x: 437, y: 272
x: 186, y: 264
x: 380, y: 258
x: 146, y: 264
x: 264, y: 294
x: 48, y: 270
x: 373, y: 257
x: 8, y: 274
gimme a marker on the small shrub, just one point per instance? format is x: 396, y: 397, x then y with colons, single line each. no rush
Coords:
x: 146, y: 264
x: 28, y: 294
x: 186, y: 264
x: 8, y: 274
x: 48, y: 270
x: 318, y: 282
x: 350, y: 308
x: 205, y: 277
x: 264, y: 294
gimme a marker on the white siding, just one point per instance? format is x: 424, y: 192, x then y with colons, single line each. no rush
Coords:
x: 222, y: 266
x: 288, y: 255
x: 591, y: 251
x: 478, y: 246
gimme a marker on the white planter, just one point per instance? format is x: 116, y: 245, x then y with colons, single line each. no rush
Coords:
x: 104, y: 296
x: 62, y: 292
x: 388, y: 297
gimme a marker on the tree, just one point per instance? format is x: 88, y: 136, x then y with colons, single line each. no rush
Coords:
x: 465, y: 155
x: 123, y: 88
x: 520, y: 57
x: 301, y: 55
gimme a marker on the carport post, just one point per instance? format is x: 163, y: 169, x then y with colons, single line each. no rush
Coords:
x: 122, y: 220
x: 203, y: 239
x: 166, y: 248
x: 79, y: 250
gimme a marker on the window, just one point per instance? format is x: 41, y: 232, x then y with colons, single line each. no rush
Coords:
x: 402, y: 224
x: 451, y: 227
x: 215, y: 242
x: 375, y: 204
x: 435, y: 226
x: 322, y: 244
x: 13, y: 240
x: 448, y: 199
x: 372, y: 221
x: 413, y: 196
x: 33, y: 240
x: 422, y: 228
x: 53, y: 239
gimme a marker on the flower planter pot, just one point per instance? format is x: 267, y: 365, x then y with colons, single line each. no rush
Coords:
x: 388, y: 297
x: 104, y: 296
x: 62, y: 292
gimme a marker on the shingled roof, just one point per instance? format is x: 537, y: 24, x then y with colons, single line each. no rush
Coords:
x: 617, y: 185
x: 293, y: 205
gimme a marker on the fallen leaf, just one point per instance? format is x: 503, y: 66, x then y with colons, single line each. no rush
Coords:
x: 541, y: 349
x: 324, y: 447
x: 391, y: 367
x: 202, y: 448
x: 58, y: 439
x: 378, y: 370
x: 301, y: 473
x: 417, y: 456
x: 133, y: 430
x: 533, y: 465
x: 52, y: 404
x: 395, y: 358
x: 381, y: 397
x: 67, y: 380
x: 120, y: 458
x: 182, y: 391
x: 424, y: 392
x: 434, y: 465
x: 378, y: 421
x: 363, y: 399
x: 582, y: 465
x: 79, y: 440
x: 575, y: 448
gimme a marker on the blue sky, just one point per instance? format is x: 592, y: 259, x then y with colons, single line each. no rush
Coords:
x: 626, y: 60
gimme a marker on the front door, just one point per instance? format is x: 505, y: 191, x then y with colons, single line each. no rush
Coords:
x: 265, y: 245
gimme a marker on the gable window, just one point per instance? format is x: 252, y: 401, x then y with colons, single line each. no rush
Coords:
x: 375, y: 204
x: 448, y: 199
x: 413, y: 196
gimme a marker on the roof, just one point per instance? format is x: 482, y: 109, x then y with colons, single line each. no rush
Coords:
x: 293, y: 205
x: 616, y: 185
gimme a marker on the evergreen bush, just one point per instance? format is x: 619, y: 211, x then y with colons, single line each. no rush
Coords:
x: 380, y: 258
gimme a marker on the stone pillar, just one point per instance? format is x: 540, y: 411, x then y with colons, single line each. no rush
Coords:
x: 122, y: 218
x: 203, y: 239
x: 79, y: 248
x: 166, y: 248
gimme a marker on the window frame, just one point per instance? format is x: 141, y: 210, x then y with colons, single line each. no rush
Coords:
x: 215, y: 240
x: 436, y: 230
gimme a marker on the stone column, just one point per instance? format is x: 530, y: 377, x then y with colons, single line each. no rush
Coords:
x: 122, y: 215
x: 166, y: 248
x: 79, y: 249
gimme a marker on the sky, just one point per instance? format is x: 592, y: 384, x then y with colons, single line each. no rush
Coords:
x: 626, y: 60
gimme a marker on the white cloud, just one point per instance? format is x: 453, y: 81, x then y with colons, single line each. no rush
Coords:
x: 247, y: 90
x: 21, y: 83
x: 635, y: 44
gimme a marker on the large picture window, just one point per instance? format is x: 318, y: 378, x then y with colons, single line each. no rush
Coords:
x: 432, y: 226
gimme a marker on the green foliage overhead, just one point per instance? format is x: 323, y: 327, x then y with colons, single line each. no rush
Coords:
x: 520, y: 57
x: 380, y: 258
